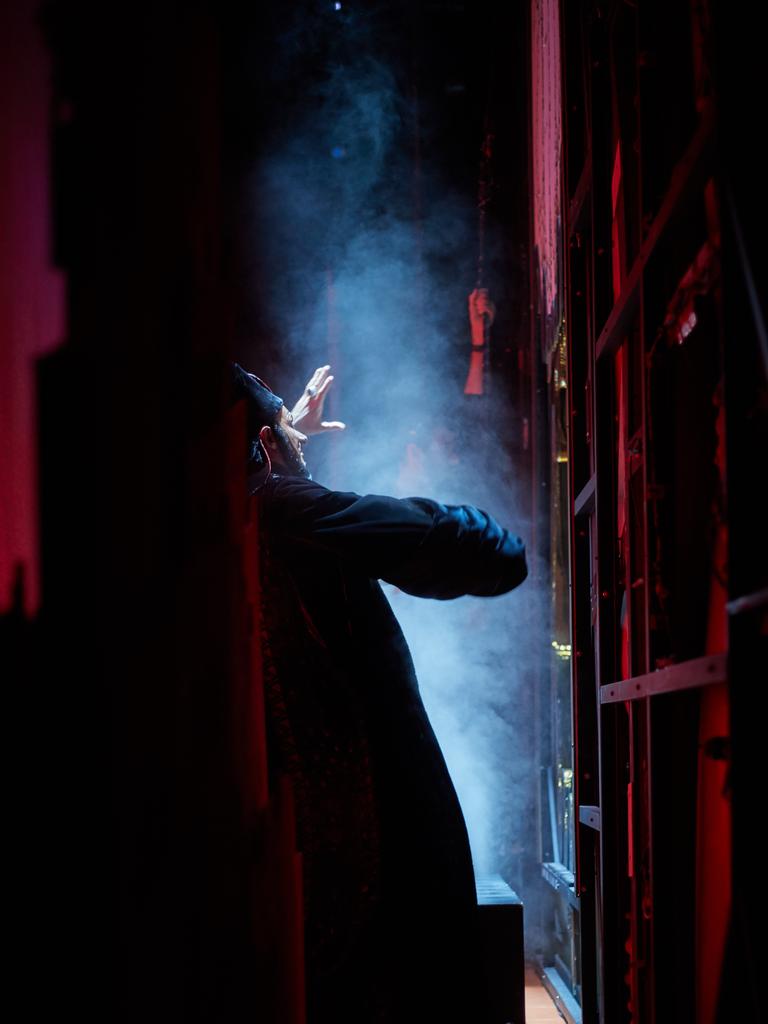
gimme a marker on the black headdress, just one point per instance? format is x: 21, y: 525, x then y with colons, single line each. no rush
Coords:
x: 262, y: 404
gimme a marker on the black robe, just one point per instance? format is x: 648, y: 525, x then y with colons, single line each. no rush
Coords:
x: 389, y: 885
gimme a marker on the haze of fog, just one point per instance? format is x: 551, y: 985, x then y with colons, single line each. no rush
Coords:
x: 359, y: 282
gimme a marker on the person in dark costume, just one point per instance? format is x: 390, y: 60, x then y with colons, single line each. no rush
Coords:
x: 389, y: 888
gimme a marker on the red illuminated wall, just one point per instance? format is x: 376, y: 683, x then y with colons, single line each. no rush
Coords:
x: 31, y: 291
x: 546, y: 153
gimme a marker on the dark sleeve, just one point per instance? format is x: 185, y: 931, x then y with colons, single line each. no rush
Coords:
x: 421, y: 546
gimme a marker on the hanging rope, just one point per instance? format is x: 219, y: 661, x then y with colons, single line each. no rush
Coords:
x: 479, y: 360
x: 484, y: 187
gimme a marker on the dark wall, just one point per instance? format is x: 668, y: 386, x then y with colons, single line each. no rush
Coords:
x: 135, y: 674
x: 159, y: 881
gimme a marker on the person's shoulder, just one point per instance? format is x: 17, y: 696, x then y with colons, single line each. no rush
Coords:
x: 281, y: 487
x: 287, y: 495
x: 299, y: 502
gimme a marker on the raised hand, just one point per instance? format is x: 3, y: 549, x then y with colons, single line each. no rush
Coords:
x: 308, y: 411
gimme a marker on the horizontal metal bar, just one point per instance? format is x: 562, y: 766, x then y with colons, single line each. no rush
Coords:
x: 590, y: 815
x: 561, y: 996
x: 748, y: 602
x: 686, y: 175
x: 562, y: 880
x: 585, y: 499
x: 621, y: 314
x: 713, y: 668
x: 577, y: 206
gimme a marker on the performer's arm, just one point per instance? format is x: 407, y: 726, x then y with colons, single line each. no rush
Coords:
x: 420, y: 545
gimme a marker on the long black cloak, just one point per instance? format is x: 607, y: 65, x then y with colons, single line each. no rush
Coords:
x: 389, y: 885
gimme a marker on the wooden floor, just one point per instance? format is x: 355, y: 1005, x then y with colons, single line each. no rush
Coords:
x: 539, y: 1008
